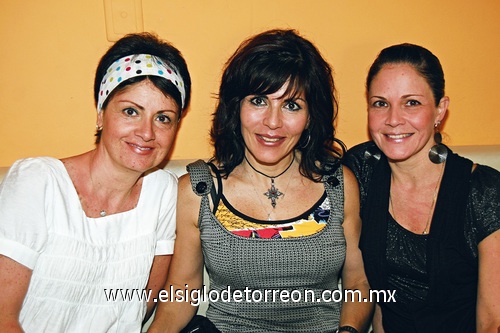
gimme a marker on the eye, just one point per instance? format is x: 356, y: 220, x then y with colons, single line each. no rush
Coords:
x: 130, y: 112
x: 258, y: 101
x: 379, y: 104
x: 292, y: 106
x: 413, y: 102
x: 163, y: 118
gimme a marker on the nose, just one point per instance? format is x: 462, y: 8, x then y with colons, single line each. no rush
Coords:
x: 394, y: 117
x: 273, y: 117
x: 145, y: 130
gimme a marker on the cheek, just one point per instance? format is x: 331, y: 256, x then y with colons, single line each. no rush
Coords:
x: 374, y: 120
x: 249, y: 121
x: 166, y: 136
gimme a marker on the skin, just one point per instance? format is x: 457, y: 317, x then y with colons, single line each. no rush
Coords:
x: 140, y: 124
x: 271, y: 126
x: 402, y: 112
x: 139, y: 127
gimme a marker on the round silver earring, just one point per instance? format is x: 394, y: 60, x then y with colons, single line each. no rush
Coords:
x: 438, y: 153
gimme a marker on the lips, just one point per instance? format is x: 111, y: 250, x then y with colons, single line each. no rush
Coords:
x: 398, y: 136
x: 140, y: 148
x: 269, y: 139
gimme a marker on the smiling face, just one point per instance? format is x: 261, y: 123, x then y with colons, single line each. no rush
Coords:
x: 271, y: 125
x: 139, y: 127
x: 402, y: 112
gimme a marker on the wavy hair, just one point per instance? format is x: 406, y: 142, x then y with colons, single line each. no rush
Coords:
x: 261, y: 65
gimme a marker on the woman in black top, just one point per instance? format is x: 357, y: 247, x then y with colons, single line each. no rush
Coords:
x: 431, y: 218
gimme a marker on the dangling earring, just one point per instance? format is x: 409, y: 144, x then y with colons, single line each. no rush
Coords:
x: 438, y: 152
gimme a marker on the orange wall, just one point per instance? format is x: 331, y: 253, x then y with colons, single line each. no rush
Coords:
x: 50, y: 49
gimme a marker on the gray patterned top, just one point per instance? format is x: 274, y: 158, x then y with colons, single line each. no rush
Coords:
x: 290, y: 270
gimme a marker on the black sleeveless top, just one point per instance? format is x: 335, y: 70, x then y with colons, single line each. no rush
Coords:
x: 446, y: 260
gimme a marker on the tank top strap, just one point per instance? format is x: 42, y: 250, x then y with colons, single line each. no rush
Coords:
x: 201, y: 178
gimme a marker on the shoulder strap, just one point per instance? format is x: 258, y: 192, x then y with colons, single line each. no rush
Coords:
x: 201, y: 179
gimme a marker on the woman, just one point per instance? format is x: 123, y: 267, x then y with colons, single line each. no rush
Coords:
x: 277, y: 213
x: 431, y: 218
x: 76, y: 232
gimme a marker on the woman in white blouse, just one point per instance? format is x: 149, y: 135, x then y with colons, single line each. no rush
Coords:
x: 81, y: 238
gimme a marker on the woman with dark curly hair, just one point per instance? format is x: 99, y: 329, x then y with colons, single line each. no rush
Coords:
x: 273, y: 213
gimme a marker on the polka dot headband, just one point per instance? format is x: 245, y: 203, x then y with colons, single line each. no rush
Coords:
x: 137, y: 65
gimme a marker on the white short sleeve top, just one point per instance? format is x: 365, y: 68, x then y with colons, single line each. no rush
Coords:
x: 85, y: 270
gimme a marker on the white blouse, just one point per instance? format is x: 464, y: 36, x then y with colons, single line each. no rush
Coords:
x: 77, y: 260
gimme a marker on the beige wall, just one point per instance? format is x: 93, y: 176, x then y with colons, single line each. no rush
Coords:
x: 50, y: 49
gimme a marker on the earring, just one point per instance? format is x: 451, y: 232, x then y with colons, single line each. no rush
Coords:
x: 99, y: 128
x: 438, y: 153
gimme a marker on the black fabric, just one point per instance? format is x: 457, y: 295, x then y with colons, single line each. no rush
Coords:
x: 200, y: 324
x: 451, y: 302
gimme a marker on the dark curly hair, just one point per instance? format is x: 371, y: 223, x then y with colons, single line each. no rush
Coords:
x: 144, y: 43
x: 261, y: 65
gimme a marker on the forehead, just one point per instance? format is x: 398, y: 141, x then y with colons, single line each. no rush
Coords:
x: 398, y: 75
x: 288, y: 91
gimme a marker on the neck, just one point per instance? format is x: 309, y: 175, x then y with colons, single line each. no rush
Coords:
x: 415, y: 172
x: 272, y: 174
x: 108, y: 179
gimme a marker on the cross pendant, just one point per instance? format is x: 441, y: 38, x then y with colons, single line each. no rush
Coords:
x: 273, y: 193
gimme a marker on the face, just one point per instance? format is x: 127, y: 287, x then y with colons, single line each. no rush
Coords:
x: 402, y: 112
x: 271, y: 125
x: 139, y: 126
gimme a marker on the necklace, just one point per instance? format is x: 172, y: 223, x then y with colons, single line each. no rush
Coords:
x: 272, y: 193
x: 268, y: 213
x: 433, y: 204
x: 103, y: 212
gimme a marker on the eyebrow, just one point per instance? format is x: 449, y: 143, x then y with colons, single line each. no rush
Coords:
x: 404, y: 96
x: 412, y: 95
x: 142, y: 108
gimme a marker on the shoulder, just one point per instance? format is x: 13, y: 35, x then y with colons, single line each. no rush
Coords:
x: 486, y: 176
x: 361, y: 160
x: 360, y: 151
x: 360, y: 156
x: 351, y: 186
x: 35, y: 170
x: 349, y: 177
x: 485, y: 199
x: 36, y: 164
x: 162, y: 175
x: 485, y: 183
x: 160, y: 181
x: 186, y: 191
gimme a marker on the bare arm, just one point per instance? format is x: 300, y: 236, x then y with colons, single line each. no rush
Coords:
x: 157, y: 280
x: 377, y: 320
x: 14, y: 282
x: 354, y: 313
x: 488, y: 306
x: 186, y: 267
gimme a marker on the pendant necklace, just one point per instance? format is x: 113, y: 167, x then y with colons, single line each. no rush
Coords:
x: 433, y: 204
x: 268, y: 213
x: 272, y: 193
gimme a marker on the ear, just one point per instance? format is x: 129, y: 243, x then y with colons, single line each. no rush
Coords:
x: 99, y: 119
x: 442, y: 108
